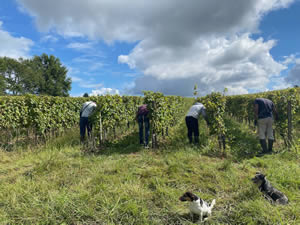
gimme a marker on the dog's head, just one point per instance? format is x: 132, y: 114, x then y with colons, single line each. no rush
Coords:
x: 259, y: 178
x: 188, y: 196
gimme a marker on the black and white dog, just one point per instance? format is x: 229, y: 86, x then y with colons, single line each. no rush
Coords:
x: 271, y: 193
x: 197, y: 205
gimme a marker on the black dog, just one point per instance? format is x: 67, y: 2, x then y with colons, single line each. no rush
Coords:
x: 269, y: 191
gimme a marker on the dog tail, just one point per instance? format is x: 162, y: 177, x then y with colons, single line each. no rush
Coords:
x: 212, y: 203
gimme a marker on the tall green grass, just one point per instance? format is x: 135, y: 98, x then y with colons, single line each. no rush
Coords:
x: 126, y: 184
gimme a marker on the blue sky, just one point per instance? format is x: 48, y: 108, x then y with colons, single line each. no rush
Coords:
x: 125, y: 47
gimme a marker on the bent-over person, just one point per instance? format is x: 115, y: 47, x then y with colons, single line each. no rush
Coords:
x: 191, y: 120
x: 85, y: 124
x: 143, y: 121
x: 263, y: 112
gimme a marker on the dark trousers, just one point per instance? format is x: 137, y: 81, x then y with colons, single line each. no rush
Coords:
x: 84, y: 125
x: 193, y: 128
x: 144, y: 121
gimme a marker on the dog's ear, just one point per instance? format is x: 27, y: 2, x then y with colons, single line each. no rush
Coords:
x: 263, y: 175
x: 192, y: 196
x: 260, y: 174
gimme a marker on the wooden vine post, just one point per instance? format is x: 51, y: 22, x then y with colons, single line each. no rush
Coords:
x: 101, y: 130
x: 289, y: 114
x: 154, y: 136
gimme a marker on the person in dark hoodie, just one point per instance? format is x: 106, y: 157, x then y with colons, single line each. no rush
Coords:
x: 264, y: 109
x: 143, y: 121
x: 191, y: 120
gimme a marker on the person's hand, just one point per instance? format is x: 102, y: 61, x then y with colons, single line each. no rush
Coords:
x: 255, y: 122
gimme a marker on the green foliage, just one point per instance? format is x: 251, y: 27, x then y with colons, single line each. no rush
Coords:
x: 163, y: 110
x: 12, y: 71
x: 43, y: 114
x: 54, y: 80
x: 241, y: 107
x: 215, y: 108
x: 114, y: 111
x: 44, y: 75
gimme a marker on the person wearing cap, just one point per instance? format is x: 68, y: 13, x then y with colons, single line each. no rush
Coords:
x: 191, y: 120
x: 85, y: 124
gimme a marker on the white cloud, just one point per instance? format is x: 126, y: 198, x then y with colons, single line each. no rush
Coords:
x: 76, y: 79
x: 293, y: 77
x: 105, y: 91
x: 180, y: 43
x: 49, y: 38
x: 84, y: 83
x: 95, y: 66
x: 238, y: 63
x: 280, y: 83
x: 169, y: 21
x: 79, y: 46
x: 89, y: 84
x: 14, y: 47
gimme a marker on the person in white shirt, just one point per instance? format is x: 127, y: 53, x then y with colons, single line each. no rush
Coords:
x: 86, y: 110
x: 191, y: 120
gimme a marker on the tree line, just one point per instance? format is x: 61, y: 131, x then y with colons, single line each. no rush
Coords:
x: 40, y: 75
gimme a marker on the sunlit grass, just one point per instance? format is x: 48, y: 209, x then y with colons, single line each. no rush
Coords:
x: 126, y: 184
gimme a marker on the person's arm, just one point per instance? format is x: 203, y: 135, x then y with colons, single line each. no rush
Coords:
x: 255, y: 113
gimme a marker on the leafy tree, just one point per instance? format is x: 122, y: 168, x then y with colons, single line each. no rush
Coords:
x: 86, y: 95
x: 54, y: 79
x: 42, y: 75
x: 11, y: 71
x: 17, y: 77
x: 32, y: 77
x: 2, y: 85
x: 2, y: 78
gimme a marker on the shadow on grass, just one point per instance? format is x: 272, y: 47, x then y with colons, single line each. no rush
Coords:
x: 128, y: 144
x: 242, y: 143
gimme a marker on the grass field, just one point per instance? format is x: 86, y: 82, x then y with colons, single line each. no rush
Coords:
x: 58, y: 183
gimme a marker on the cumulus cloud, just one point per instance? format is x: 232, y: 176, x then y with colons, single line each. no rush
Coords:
x: 168, y: 21
x: 14, y: 47
x: 105, y: 91
x: 238, y: 63
x: 294, y: 74
x: 180, y: 43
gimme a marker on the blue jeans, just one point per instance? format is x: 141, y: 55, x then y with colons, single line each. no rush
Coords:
x: 144, y: 120
x: 84, y: 125
x: 193, y: 128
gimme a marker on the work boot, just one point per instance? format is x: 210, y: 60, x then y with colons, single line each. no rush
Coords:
x: 270, y: 145
x: 82, y: 139
x: 263, y: 144
x: 196, y: 139
x: 190, y: 139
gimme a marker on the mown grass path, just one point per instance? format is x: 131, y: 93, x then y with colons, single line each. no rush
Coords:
x: 126, y: 184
